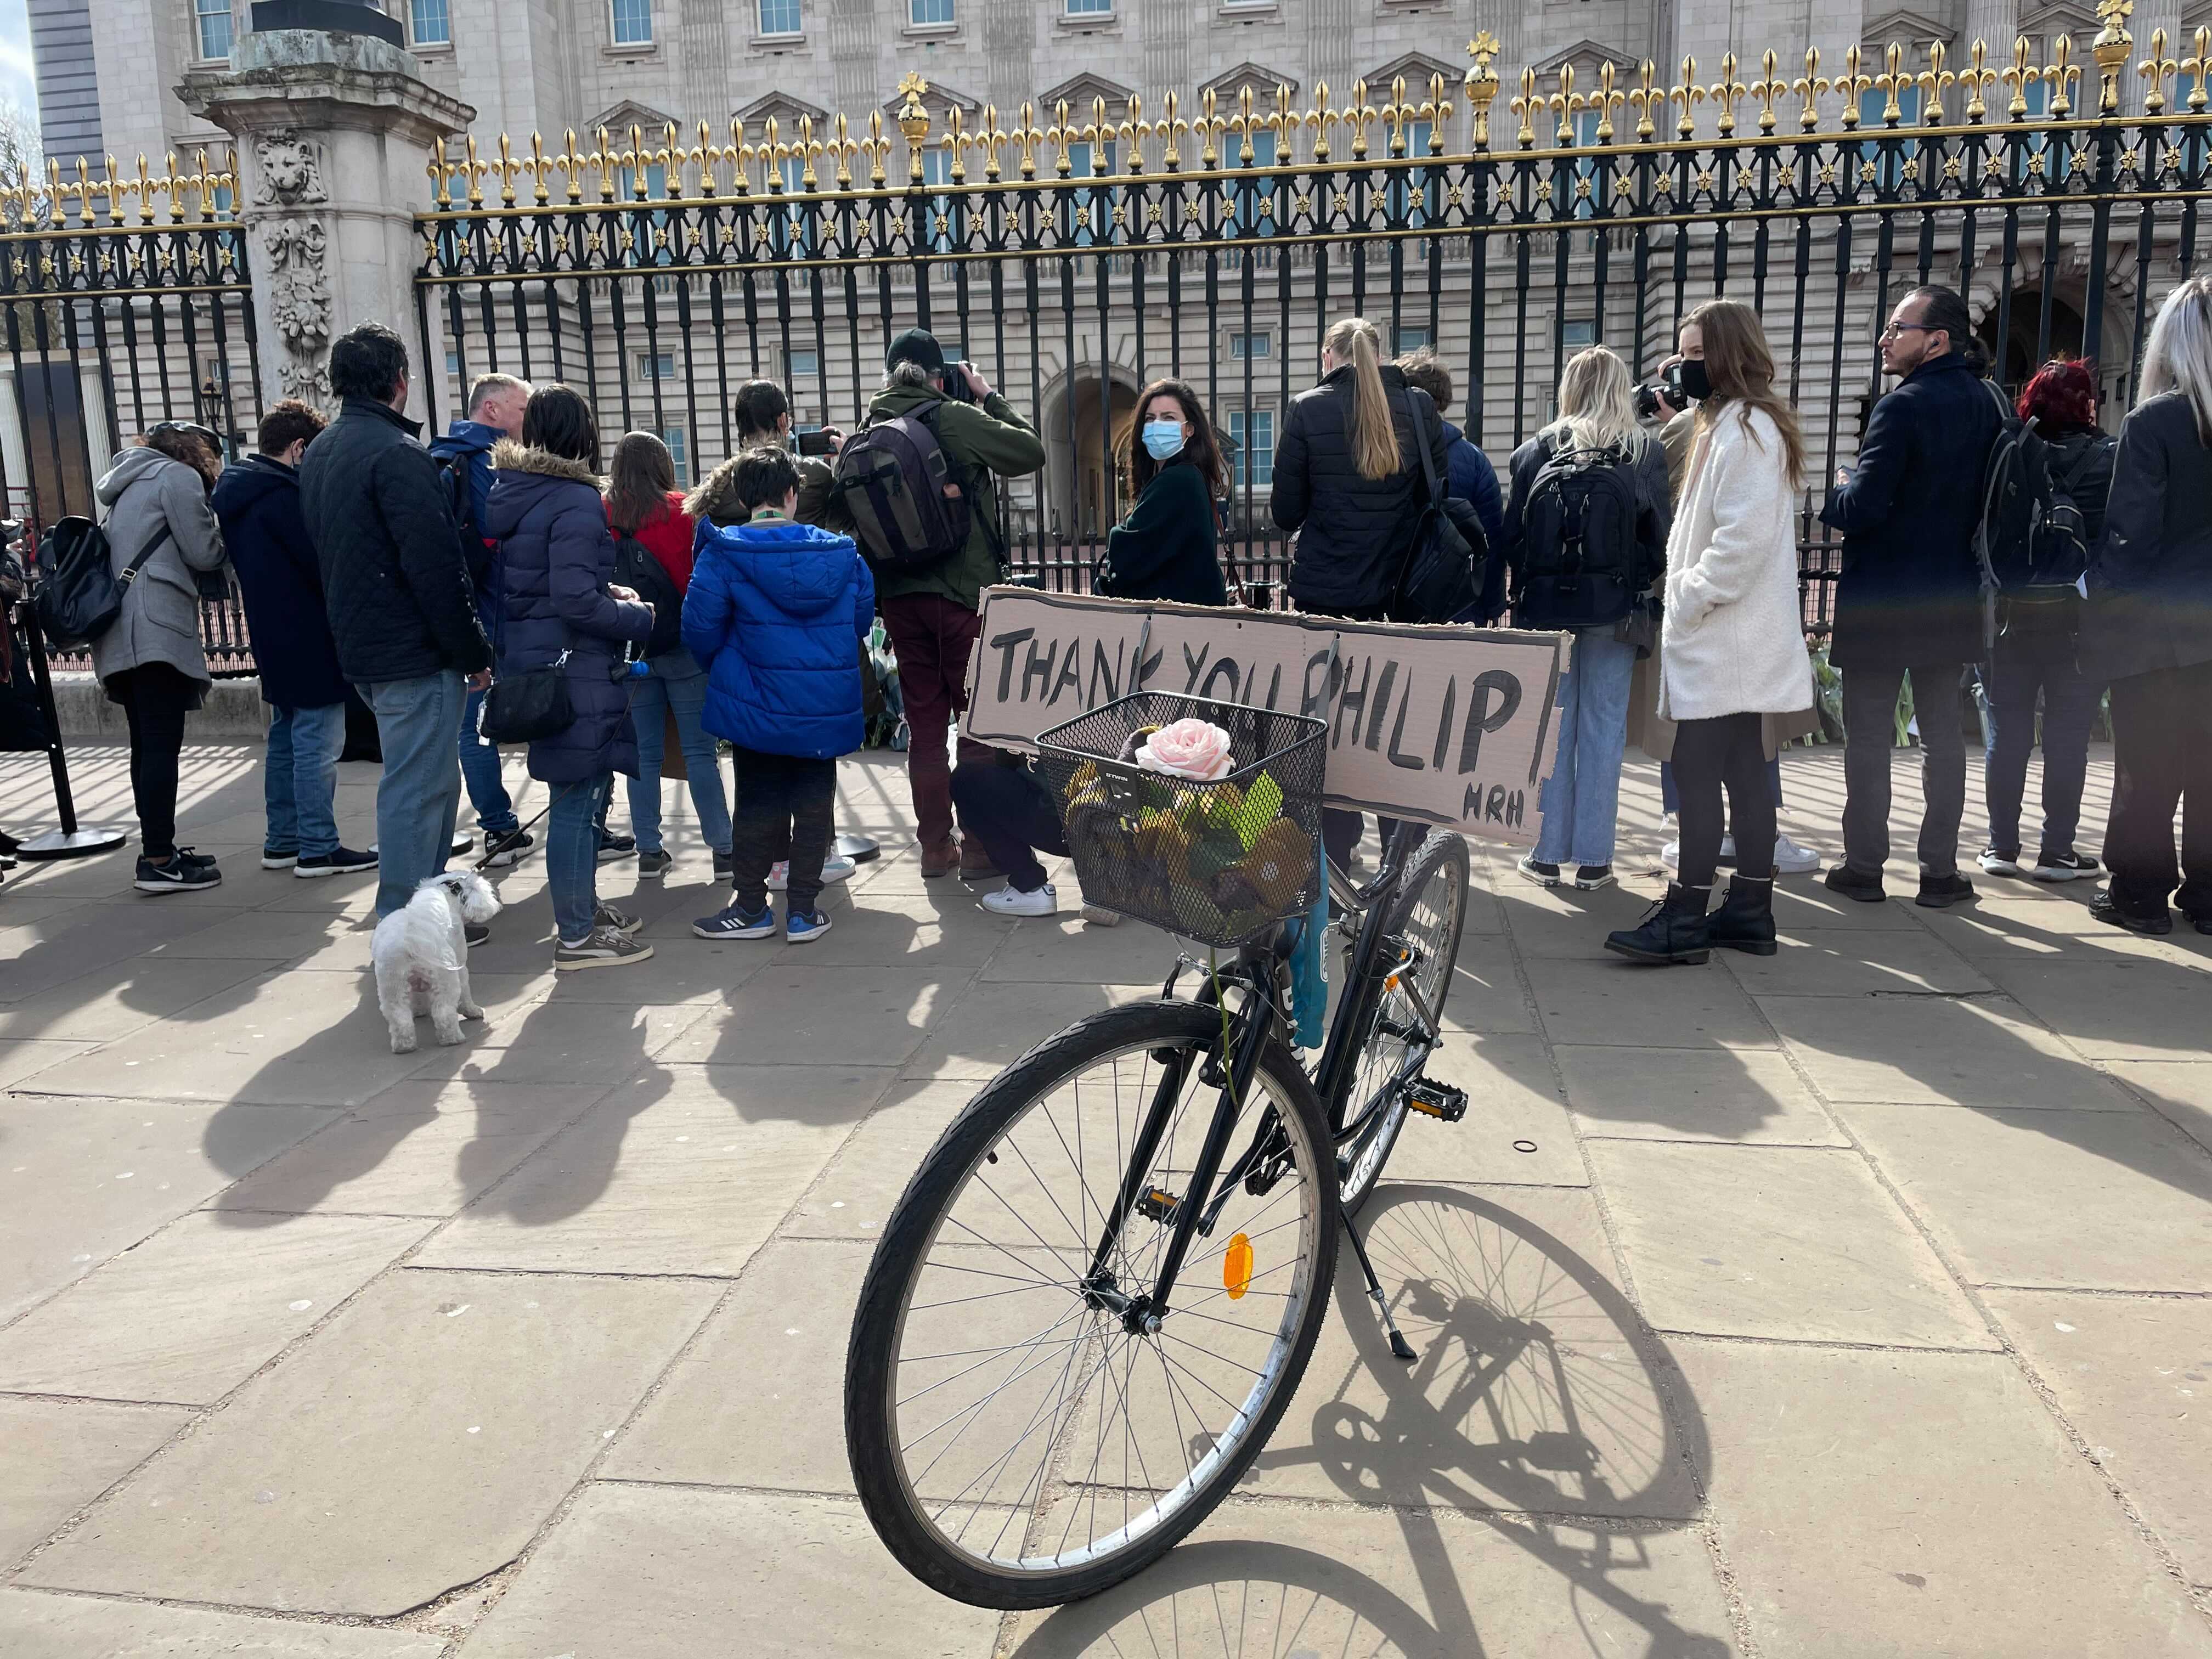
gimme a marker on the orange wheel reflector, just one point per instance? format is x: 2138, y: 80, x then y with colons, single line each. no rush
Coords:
x: 1391, y: 984
x: 1237, y: 1267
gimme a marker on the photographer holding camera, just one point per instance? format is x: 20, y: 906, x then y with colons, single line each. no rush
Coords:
x: 929, y: 595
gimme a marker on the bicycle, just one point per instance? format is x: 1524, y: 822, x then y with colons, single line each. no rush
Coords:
x: 1032, y: 1414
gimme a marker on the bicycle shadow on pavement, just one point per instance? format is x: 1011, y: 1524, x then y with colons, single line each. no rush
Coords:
x: 1542, y: 1435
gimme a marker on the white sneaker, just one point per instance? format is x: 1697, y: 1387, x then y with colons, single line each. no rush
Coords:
x: 1010, y: 902
x: 835, y: 868
x: 1791, y: 860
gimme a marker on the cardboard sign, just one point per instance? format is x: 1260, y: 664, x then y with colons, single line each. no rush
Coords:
x: 1451, y: 725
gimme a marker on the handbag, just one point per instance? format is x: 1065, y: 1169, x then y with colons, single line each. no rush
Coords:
x: 1436, y: 580
x: 78, y: 597
x: 528, y: 707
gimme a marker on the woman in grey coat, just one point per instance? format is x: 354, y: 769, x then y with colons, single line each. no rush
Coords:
x: 150, y: 660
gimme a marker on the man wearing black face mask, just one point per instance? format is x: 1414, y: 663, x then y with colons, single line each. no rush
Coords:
x: 1908, y: 603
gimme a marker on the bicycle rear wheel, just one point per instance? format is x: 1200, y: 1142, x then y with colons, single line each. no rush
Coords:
x: 1428, y: 915
x: 1014, y: 1442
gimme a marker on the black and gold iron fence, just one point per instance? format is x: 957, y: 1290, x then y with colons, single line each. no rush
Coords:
x: 1075, y: 255
x: 125, y: 300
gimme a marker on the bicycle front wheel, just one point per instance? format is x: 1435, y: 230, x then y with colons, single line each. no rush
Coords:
x: 1426, y: 920
x: 1015, y: 1444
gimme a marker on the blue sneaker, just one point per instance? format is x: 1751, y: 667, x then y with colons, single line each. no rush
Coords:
x: 737, y: 922
x: 804, y: 925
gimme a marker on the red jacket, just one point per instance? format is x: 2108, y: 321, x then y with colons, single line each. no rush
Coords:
x: 668, y: 539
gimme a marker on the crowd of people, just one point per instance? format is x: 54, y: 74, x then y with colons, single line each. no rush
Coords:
x: 514, y: 582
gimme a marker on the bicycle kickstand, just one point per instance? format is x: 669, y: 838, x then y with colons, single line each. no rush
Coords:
x: 1399, y: 1345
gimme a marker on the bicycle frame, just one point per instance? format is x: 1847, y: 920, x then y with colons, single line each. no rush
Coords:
x: 1254, y: 971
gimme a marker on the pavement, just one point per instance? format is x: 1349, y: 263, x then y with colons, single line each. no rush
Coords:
x: 1855, y: 1301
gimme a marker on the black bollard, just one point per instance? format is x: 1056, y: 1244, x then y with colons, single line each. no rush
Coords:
x: 72, y: 839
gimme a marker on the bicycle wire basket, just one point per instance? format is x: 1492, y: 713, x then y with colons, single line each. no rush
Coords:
x: 1219, y: 862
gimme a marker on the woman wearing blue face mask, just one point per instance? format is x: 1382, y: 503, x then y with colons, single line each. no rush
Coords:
x: 1168, y: 548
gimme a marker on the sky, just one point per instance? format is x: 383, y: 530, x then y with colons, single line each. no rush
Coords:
x: 15, y: 80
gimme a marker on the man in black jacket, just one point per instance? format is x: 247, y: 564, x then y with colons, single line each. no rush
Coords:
x: 1909, y: 602
x: 401, y: 607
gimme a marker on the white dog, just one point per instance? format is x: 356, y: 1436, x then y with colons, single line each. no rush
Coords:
x: 421, y: 958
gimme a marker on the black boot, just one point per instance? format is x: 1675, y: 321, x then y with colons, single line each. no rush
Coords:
x: 1674, y: 931
x: 1745, y: 920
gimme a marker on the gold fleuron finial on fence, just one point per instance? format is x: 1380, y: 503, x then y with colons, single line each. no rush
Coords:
x: 913, y: 122
x: 2112, y: 48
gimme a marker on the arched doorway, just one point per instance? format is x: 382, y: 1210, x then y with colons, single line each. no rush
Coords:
x: 1083, y: 420
x: 2024, y: 348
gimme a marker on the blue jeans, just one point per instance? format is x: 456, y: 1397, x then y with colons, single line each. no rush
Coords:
x: 675, y: 681
x: 1670, y: 803
x: 572, y: 854
x: 1581, y: 798
x: 2036, y: 651
x: 418, y: 722
x: 300, y: 782
x: 480, y: 770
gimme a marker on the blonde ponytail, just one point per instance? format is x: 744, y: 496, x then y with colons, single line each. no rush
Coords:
x: 1374, y: 439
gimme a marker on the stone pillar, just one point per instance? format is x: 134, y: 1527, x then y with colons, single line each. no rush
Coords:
x: 334, y: 135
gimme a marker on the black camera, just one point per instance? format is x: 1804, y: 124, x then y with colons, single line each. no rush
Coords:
x: 820, y: 442
x: 955, y: 381
x: 1663, y: 398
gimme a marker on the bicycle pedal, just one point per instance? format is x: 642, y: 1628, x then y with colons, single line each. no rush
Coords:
x: 1160, y: 1206
x: 1437, y: 1100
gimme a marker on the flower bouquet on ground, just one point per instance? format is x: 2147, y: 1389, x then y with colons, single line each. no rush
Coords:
x: 1201, y: 818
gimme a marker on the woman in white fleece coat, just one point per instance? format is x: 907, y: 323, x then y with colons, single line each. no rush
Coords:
x: 1732, y: 646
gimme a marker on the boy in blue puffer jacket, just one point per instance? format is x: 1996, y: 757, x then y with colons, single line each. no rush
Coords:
x: 772, y: 614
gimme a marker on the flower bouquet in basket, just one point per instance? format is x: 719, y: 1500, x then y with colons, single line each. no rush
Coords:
x: 1179, y: 829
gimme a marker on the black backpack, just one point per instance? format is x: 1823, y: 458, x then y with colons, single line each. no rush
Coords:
x: 2033, y: 540
x: 908, y: 504
x: 79, y: 597
x: 1581, y: 565
x: 637, y: 568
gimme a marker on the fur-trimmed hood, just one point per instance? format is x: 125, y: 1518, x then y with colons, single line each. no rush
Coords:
x: 715, y: 500
x: 508, y: 455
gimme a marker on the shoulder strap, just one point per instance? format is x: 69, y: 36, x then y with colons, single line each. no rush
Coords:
x: 153, y: 545
x: 2067, y: 479
x: 2005, y: 410
x: 928, y: 415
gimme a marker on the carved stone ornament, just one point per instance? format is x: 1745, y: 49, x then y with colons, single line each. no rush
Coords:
x: 293, y: 256
x: 291, y: 171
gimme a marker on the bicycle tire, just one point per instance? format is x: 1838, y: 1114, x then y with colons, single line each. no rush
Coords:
x: 899, y: 1515
x: 1366, y: 1148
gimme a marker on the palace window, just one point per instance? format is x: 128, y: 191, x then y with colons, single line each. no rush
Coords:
x: 1253, y: 431
x: 929, y: 13
x: 633, y: 22
x: 779, y: 17
x: 430, y: 23
x: 212, y: 17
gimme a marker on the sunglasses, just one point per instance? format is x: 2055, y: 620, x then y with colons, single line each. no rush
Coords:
x: 1902, y: 328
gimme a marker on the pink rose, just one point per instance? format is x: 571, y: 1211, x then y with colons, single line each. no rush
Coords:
x: 1193, y: 749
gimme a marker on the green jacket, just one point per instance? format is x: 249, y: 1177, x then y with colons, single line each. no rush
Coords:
x: 981, y: 440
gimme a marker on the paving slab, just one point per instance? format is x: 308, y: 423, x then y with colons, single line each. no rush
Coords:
x: 285, y: 934
x: 760, y: 1399
x: 1066, y: 950
x: 1792, y: 1244
x: 1803, y: 903
x: 827, y: 1014
x: 418, y: 1149
x: 2178, y: 1090
x: 1844, y: 962
x: 853, y: 1197
x: 2133, y: 1375
x: 1605, y: 1000
x: 58, y: 1456
x: 82, y: 1179
x: 690, y: 1177
x: 195, y: 1310
x: 37, y: 1625
x: 2114, y: 1010
x: 21, y: 1062
x: 259, y: 1042
x: 81, y: 941
x: 1937, y: 1051
x: 1854, y: 1495
x: 1276, y: 1579
x: 635, y: 1572
x: 989, y: 1028
x: 1537, y: 1387
x: 478, y: 1400
x: 1719, y: 1095
x: 1562, y: 922
x: 2029, y: 930
x: 1485, y: 994
x: 127, y: 997
x: 1516, y: 1129
x: 2098, y: 1201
